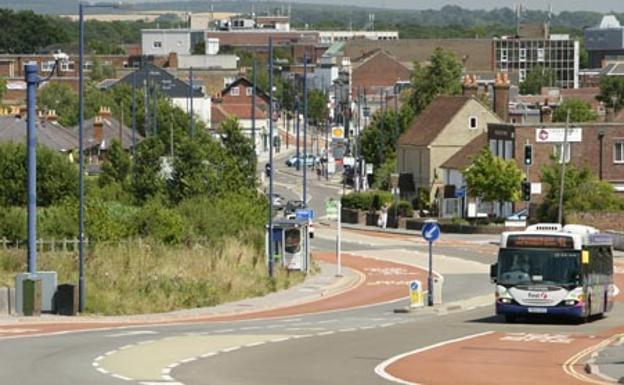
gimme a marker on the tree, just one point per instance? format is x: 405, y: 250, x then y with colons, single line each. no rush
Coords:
x: 580, y: 111
x: 57, y: 177
x: 582, y: 192
x: 493, y: 179
x: 317, y: 107
x: 24, y: 32
x: 240, y: 148
x: 116, y: 167
x: 101, y: 71
x: 3, y: 88
x: 612, y: 91
x: 538, y: 77
x: 441, y: 77
x: 61, y: 98
x: 147, y: 180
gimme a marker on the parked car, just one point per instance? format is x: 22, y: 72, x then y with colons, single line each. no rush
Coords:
x: 518, y: 216
x: 292, y: 206
x: 278, y: 201
x: 310, y: 161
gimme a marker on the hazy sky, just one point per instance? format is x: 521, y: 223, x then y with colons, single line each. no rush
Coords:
x: 557, y: 5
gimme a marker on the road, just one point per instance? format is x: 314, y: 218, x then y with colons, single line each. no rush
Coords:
x: 354, y: 337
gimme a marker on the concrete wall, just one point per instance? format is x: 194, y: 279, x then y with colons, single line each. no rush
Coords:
x: 208, y: 61
x: 7, y: 300
x: 170, y: 41
x: 201, y: 107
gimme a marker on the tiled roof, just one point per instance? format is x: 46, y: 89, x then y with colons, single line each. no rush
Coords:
x: 49, y: 134
x: 464, y: 157
x: 166, y: 82
x: 110, y: 132
x: 220, y: 112
x: 432, y: 121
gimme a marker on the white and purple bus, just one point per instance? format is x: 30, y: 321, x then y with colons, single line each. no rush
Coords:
x: 555, y: 271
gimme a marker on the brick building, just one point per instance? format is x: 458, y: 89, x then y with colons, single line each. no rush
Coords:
x: 378, y: 70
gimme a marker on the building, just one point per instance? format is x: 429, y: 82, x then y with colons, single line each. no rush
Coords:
x: 378, y: 70
x: 151, y: 78
x: 330, y: 37
x: 235, y: 100
x: 557, y: 52
x: 439, y: 132
x: 50, y: 134
x: 604, y: 41
x: 162, y: 42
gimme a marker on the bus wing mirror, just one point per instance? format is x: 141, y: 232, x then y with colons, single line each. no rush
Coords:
x: 493, y: 272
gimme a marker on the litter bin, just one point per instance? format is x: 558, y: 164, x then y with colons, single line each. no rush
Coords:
x: 31, y: 305
x: 66, y: 300
x: 438, y: 282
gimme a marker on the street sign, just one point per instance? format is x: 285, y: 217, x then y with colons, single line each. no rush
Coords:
x: 337, y: 133
x: 369, y: 169
x: 460, y: 192
x: 431, y: 231
x: 304, y: 214
x: 331, y: 209
x: 366, y: 112
x: 416, y: 293
x: 348, y: 161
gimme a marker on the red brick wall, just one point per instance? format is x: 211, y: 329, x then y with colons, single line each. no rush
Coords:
x: 379, y: 71
x: 583, y: 153
x: 601, y: 221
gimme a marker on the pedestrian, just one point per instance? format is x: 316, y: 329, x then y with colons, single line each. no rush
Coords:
x: 318, y: 172
x: 384, y: 215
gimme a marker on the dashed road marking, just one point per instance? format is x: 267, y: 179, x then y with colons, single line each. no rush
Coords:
x: 538, y: 337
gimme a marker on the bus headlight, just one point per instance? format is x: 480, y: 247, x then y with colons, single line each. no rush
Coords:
x: 502, y: 294
x: 574, y: 296
x: 570, y: 302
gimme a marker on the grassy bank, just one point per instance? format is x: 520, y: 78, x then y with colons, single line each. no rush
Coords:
x: 148, y: 277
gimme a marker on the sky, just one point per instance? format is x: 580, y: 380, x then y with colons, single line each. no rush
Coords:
x: 557, y: 5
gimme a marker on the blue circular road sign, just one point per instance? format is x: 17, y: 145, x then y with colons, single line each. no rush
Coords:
x: 414, y: 285
x: 431, y: 231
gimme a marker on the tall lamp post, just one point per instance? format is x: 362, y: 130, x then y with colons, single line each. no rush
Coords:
x: 81, y: 8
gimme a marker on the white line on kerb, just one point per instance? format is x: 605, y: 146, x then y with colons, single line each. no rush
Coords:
x: 380, y: 370
x: 121, y: 377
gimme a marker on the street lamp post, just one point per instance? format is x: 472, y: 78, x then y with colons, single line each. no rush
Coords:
x: 270, y: 237
x: 305, y: 125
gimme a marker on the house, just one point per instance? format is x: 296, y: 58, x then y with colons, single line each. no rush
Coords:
x: 50, y: 134
x: 447, y: 125
x: 151, y: 78
x: 378, y: 70
x: 235, y: 100
x: 99, y: 133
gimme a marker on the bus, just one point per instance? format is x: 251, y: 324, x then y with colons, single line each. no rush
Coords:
x: 554, y: 271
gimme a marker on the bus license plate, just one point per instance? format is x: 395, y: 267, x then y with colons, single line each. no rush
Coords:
x: 539, y: 310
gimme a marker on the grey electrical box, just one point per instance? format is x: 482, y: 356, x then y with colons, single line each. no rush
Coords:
x: 48, y: 289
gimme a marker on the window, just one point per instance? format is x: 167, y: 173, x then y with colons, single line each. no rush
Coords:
x: 557, y: 151
x: 47, y: 66
x: 235, y: 91
x: 158, y: 44
x: 88, y: 65
x: 249, y: 91
x: 522, y: 75
x: 68, y: 66
x: 523, y: 54
x: 472, y: 122
x: 503, y: 55
x: 540, y: 54
x: 618, y: 152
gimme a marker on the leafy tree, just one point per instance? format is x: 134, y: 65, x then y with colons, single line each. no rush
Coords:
x: 582, y: 192
x: 101, y: 71
x: 317, y: 107
x: 580, y: 111
x: 240, y: 148
x: 61, y: 98
x: 57, y: 177
x: 493, y: 179
x: 116, y: 167
x: 25, y: 32
x: 538, y: 77
x: 3, y: 88
x: 612, y: 91
x: 442, y: 77
x: 147, y: 181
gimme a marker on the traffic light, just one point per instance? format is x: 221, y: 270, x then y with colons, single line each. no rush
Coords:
x: 528, y: 154
x: 526, y: 190
x: 267, y: 169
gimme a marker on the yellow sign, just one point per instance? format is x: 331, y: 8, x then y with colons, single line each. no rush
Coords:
x: 416, y: 294
x: 337, y: 133
x: 585, y: 257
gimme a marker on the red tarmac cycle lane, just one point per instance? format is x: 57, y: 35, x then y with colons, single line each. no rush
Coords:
x: 382, y: 282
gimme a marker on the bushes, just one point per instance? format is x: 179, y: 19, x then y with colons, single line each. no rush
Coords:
x: 403, y: 209
x: 161, y: 223
x: 369, y: 200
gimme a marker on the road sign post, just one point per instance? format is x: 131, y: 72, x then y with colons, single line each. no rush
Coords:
x: 416, y: 297
x: 430, y: 232
x: 332, y: 211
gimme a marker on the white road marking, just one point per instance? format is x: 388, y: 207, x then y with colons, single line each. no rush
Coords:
x: 538, y: 337
x: 103, y: 371
x: 121, y: 377
x: 187, y: 360
x: 255, y: 344
x: 233, y: 348
x: 166, y: 371
x: 135, y: 333
x: 280, y: 339
x: 327, y: 321
x: 347, y: 330
x: 380, y: 370
x: 167, y: 378
x: 100, y: 358
x: 326, y: 333
x: 251, y: 328
x: 223, y: 331
x: 206, y: 355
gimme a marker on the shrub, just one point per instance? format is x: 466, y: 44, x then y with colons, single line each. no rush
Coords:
x: 162, y: 223
x: 369, y: 200
x: 13, y: 223
x: 403, y: 209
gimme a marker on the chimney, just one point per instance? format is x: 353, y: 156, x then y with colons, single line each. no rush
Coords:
x: 501, y: 96
x: 546, y: 113
x: 469, y: 86
x: 173, y: 60
x: 98, y: 129
x: 51, y: 116
x: 104, y: 112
